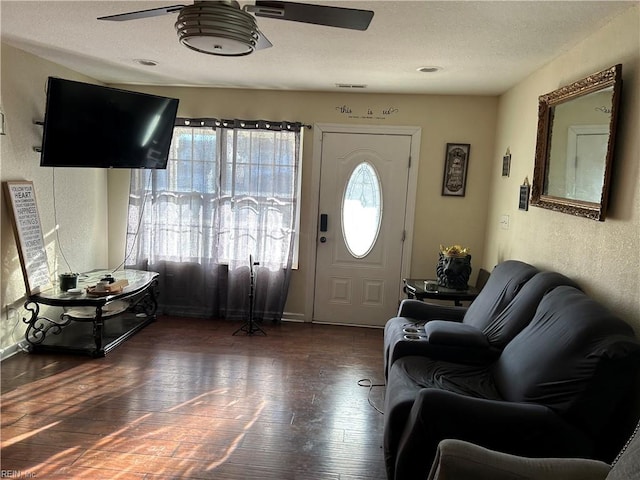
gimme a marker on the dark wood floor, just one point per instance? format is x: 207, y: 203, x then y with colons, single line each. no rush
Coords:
x: 185, y: 399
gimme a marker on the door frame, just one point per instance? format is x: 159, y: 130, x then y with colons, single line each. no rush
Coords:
x: 319, y: 129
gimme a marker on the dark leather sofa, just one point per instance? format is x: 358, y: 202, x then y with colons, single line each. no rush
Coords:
x: 550, y: 392
x: 474, y: 334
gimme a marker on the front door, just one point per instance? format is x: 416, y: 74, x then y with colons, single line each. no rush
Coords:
x: 361, y: 229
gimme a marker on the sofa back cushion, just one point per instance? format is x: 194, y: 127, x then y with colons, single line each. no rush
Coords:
x: 519, y: 313
x: 503, y: 284
x: 575, y: 357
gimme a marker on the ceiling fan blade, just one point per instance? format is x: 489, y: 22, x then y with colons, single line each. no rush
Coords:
x: 152, y: 12
x: 263, y: 42
x: 317, y: 14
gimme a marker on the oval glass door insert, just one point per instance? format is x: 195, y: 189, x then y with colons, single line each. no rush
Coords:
x: 362, y: 210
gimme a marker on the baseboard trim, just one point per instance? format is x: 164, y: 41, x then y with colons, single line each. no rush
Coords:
x: 10, y: 351
x: 293, y: 317
x: 348, y: 325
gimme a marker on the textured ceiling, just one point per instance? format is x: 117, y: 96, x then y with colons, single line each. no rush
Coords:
x: 482, y: 47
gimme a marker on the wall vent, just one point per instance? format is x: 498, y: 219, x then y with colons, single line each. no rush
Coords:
x: 350, y: 85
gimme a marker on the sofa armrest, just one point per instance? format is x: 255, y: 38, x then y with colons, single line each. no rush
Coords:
x: 441, y: 332
x: 456, y: 459
x: 421, y: 311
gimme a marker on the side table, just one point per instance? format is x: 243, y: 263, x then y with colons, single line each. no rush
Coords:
x: 414, y: 288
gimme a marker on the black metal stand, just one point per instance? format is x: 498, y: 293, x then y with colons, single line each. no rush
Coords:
x: 250, y: 327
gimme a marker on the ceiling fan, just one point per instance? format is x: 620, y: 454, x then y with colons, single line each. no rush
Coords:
x: 222, y: 27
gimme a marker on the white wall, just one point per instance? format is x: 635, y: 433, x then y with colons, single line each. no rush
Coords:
x: 92, y: 216
x: 604, y: 257
x: 80, y: 194
x: 438, y: 220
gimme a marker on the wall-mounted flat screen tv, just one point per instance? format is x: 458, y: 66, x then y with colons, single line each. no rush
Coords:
x: 88, y: 125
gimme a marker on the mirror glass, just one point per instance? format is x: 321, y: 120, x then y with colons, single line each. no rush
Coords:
x: 576, y: 132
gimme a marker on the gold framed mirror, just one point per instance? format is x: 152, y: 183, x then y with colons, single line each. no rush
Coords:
x: 574, y: 148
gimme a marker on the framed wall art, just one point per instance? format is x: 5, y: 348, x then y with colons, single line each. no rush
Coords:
x: 506, y: 164
x: 23, y: 210
x: 456, y: 164
x: 525, y: 191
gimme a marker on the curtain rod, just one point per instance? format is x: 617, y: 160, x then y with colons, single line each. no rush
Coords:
x: 239, y: 123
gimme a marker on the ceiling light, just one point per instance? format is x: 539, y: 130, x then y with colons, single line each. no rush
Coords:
x: 217, y: 28
x: 429, y: 69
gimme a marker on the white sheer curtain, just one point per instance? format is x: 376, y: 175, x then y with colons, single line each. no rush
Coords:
x: 230, y: 190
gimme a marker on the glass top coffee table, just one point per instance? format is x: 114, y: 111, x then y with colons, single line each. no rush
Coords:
x: 89, y: 323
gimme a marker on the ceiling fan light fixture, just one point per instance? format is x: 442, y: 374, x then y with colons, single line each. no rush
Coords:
x: 217, y: 28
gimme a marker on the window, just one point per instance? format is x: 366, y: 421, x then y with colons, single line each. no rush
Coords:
x: 362, y: 210
x: 227, y: 193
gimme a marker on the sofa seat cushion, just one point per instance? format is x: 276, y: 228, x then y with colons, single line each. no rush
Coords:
x: 409, y: 375
x: 440, y: 332
x: 417, y: 372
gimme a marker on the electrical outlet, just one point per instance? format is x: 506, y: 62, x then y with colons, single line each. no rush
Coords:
x: 504, y: 222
